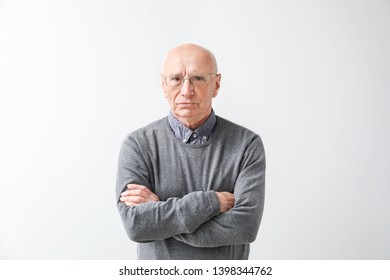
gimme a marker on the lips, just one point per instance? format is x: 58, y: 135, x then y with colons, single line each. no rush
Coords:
x: 185, y: 103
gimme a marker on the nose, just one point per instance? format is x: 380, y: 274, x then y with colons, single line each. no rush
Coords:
x: 187, y: 88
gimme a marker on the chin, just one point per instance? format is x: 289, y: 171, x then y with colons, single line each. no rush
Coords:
x: 186, y: 113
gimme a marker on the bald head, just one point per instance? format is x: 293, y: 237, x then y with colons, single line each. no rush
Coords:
x: 195, y: 68
x: 185, y: 55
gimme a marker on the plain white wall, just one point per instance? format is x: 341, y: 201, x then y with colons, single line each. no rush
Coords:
x: 311, y: 77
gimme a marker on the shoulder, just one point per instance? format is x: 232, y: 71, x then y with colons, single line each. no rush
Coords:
x: 149, y: 132
x: 241, y: 140
x: 237, y: 136
x: 152, y: 128
x: 234, y: 130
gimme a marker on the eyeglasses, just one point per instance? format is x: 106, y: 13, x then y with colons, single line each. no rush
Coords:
x: 178, y: 80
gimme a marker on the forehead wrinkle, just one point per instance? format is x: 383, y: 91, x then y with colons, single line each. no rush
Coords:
x: 183, y: 69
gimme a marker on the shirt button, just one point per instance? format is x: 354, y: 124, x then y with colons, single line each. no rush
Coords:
x: 195, y: 135
x: 204, y: 137
x: 184, y: 140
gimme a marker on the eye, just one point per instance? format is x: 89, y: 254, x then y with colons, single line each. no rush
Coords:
x: 198, y: 78
x: 175, y: 78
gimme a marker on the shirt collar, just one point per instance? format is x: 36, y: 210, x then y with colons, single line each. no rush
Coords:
x: 184, y: 133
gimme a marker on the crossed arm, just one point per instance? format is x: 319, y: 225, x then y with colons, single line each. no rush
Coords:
x: 201, y: 218
x: 138, y: 194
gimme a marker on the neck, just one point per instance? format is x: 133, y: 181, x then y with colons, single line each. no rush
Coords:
x: 193, y: 123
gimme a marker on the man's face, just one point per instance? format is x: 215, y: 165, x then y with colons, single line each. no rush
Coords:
x: 190, y: 103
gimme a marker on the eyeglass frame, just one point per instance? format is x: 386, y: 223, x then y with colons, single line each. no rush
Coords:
x: 189, y: 79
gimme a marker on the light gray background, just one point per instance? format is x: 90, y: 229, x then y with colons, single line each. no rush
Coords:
x: 311, y: 77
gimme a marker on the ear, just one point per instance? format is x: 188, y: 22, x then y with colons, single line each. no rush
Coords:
x: 217, y: 85
x: 163, y: 86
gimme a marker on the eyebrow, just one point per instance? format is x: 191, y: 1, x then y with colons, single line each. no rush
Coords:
x: 193, y: 73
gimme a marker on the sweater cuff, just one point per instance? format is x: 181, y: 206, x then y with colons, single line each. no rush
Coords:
x: 213, y: 203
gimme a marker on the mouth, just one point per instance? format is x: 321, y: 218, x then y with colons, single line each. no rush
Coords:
x: 185, y: 104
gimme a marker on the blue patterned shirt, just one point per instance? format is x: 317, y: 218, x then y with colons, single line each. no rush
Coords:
x: 198, y: 136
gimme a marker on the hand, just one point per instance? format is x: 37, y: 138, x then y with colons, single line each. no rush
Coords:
x: 137, y: 194
x: 226, y: 201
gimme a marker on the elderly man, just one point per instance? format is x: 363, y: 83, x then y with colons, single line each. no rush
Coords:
x: 191, y: 185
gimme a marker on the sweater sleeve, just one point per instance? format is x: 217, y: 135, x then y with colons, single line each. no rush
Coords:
x: 240, y: 224
x: 158, y: 220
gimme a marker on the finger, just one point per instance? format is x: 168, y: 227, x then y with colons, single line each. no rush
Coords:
x: 131, y: 204
x: 138, y: 187
x: 126, y: 199
x: 148, y: 197
x: 135, y: 198
x: 145, y: 190
x: 139, y: 199
x: 135, y: 186
x: 134, y: 192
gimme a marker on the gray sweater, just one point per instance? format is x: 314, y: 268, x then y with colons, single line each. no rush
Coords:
x: 186, y: 223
